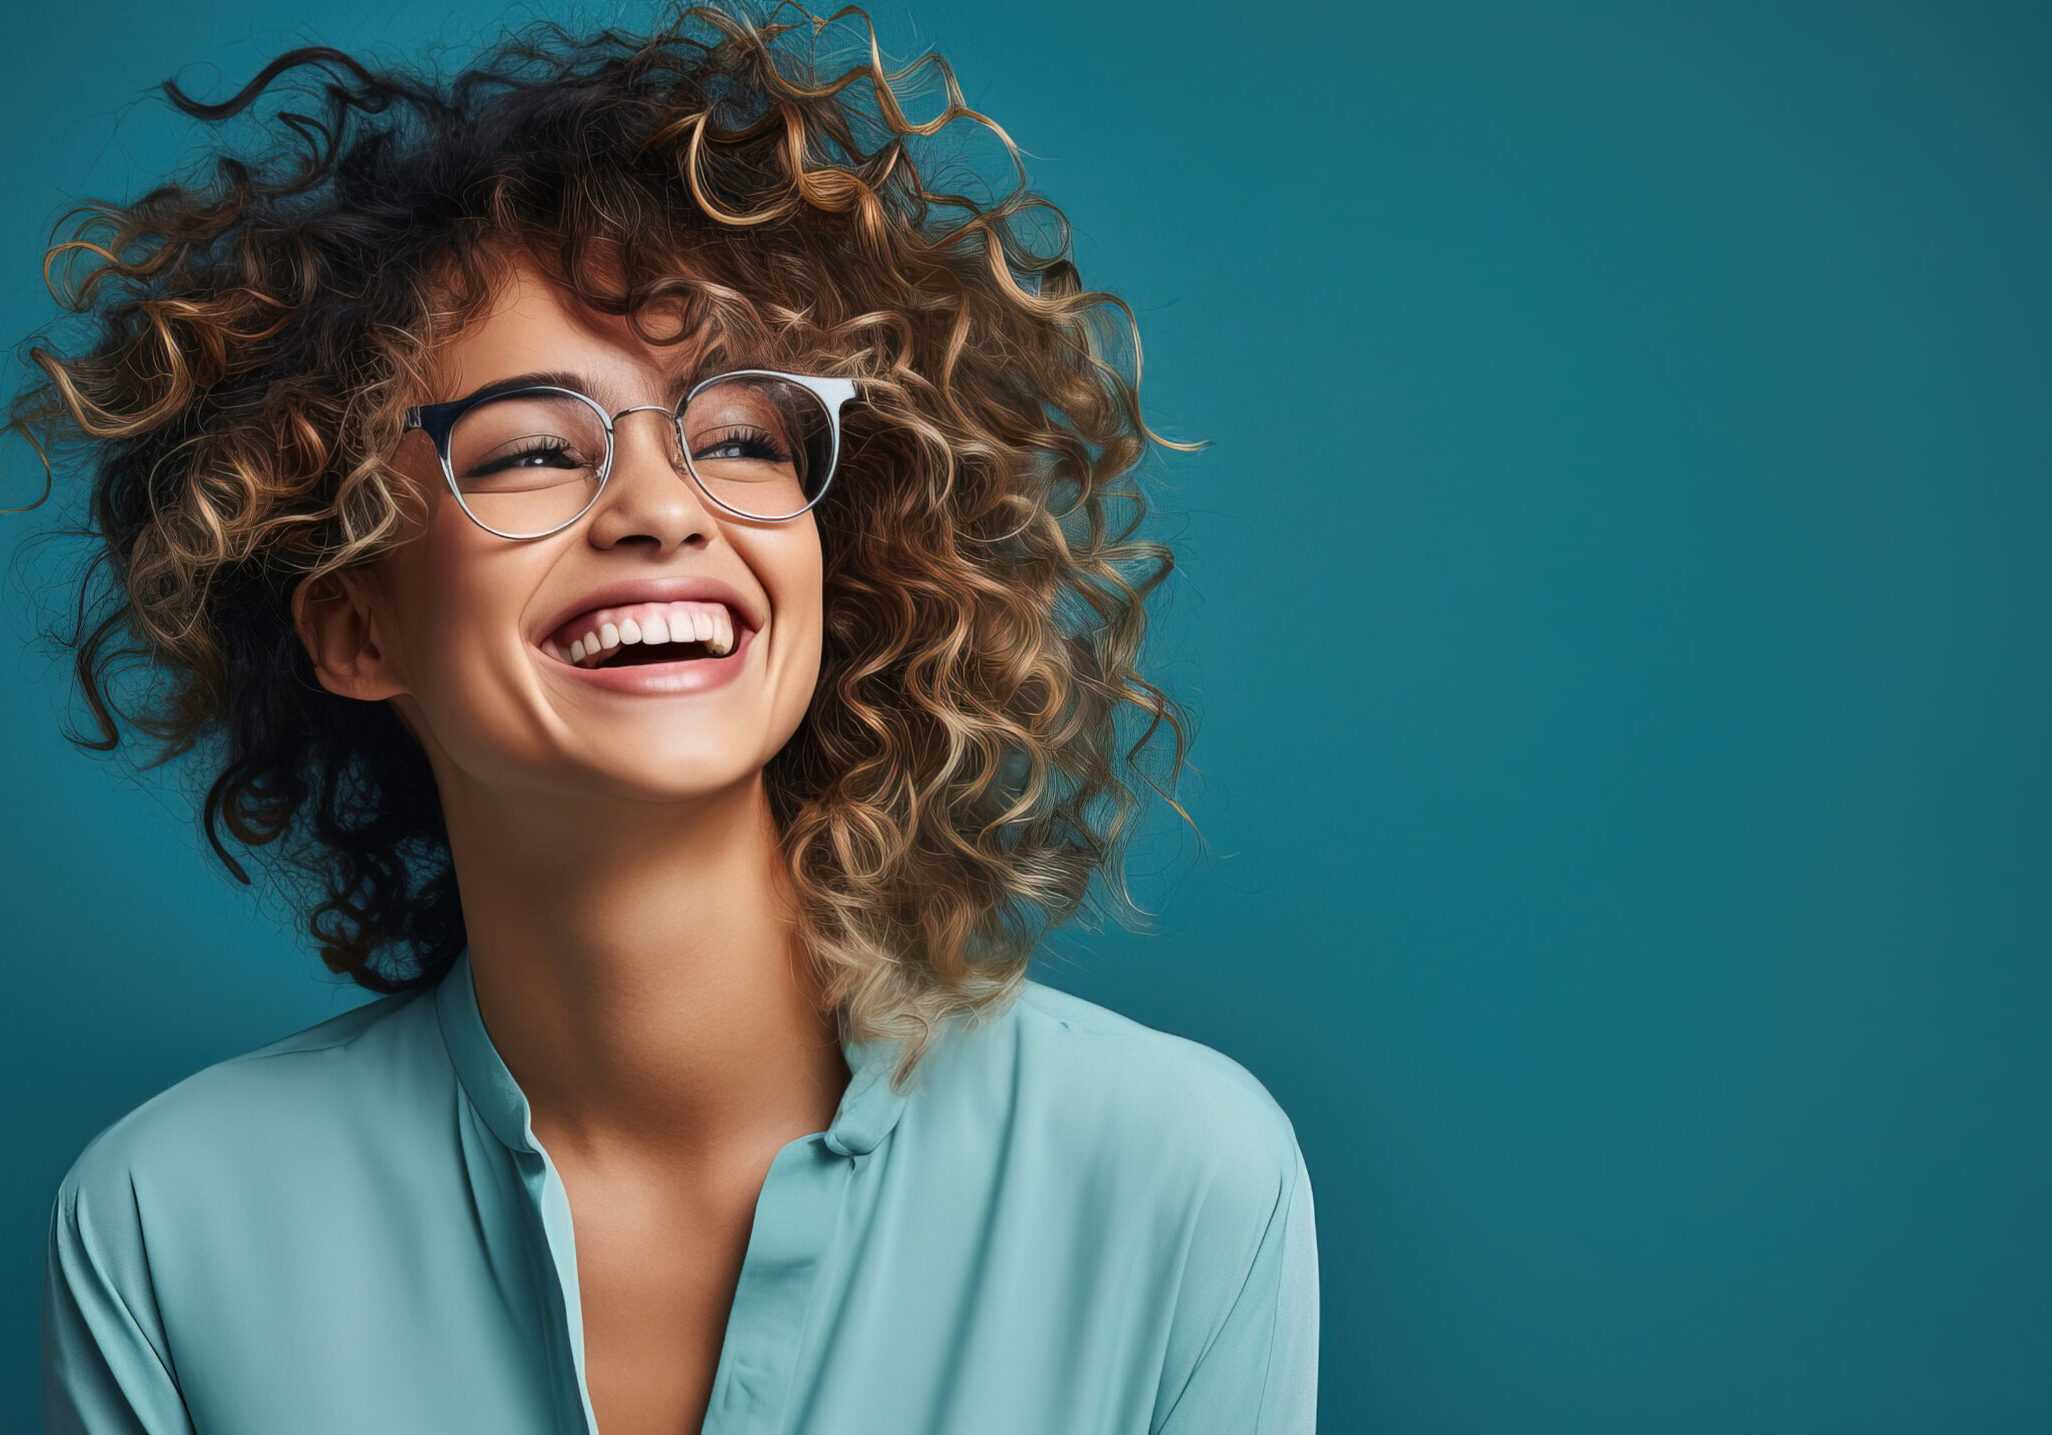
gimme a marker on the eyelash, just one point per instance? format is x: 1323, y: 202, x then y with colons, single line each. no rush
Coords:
x: 533, y: 449
x: 743, y: 433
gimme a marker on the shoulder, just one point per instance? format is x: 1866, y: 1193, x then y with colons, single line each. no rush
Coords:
x: 1153, y: 1075
x: 1207, y: 1172
x: 271, y: 1103
x: 1161, y: 1102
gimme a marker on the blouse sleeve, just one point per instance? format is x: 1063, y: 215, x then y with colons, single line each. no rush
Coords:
x: 1259, y: 1374
x: 104, y: 1363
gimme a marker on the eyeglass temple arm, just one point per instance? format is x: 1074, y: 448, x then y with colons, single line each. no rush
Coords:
x: 834, y: 391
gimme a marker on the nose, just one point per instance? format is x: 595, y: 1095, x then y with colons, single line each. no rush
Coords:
x: 649, y: 491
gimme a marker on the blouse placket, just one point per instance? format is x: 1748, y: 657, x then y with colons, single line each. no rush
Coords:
x: 798, y: 1217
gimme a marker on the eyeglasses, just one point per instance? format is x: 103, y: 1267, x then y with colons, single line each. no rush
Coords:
x: 529, y: 462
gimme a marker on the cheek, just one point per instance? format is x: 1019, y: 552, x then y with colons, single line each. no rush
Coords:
x: 460, y: 623
x: 800, y: 600
x: 791, y: 570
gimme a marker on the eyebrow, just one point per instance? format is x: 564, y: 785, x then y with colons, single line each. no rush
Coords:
x: 563, y: 379
x: 553, y: 378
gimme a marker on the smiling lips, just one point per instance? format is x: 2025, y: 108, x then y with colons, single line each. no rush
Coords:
x: 591, y: 639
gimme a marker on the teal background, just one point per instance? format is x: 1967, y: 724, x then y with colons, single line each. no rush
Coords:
x: 1617, y: 603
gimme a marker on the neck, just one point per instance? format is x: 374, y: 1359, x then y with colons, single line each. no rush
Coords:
x: 638, y: 968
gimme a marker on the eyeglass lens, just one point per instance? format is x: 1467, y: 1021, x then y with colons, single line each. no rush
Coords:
x: 528, y: 463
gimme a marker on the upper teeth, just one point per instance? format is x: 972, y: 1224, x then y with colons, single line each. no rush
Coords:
x: 608, y: 630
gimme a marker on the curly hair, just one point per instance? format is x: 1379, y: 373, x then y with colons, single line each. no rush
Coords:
x: 959, y: 776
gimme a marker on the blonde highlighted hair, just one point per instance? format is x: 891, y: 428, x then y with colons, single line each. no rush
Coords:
x: 961, y: 775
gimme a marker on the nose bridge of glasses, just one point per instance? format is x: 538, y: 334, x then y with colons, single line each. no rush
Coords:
x: 675, y: 428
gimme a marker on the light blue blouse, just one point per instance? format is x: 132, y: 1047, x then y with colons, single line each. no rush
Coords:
x: 1072, y: 1224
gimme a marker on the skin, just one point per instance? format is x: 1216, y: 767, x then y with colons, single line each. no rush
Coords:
x: 631, y: 927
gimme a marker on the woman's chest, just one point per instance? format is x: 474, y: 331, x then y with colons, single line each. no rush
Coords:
x: 656, y: 1281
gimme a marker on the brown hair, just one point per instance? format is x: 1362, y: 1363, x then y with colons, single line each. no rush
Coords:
x: 959, y: 777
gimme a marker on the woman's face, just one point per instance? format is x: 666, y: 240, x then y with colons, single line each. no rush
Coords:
x: 465, y: 619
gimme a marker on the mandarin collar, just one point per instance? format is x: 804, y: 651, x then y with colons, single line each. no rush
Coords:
x: 869, y: 1107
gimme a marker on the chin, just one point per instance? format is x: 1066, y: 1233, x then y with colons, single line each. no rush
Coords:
x: 678, y: 776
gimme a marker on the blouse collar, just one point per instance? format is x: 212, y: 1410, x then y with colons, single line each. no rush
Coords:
x: 869, y: 1107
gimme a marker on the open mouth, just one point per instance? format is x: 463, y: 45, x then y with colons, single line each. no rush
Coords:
x: 648, y: 635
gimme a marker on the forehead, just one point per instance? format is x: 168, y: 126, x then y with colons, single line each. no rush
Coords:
x: 534, y: 324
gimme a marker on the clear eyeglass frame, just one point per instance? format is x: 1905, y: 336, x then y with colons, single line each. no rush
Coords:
x: 438, y: 421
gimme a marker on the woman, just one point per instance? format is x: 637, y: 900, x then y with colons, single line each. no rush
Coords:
x: 648, y: 557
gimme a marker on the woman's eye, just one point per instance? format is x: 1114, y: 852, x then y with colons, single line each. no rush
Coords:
x: 540, y: 456
x: 743, y: 443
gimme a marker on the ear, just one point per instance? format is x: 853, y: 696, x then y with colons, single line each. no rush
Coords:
x: 337, y: 616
